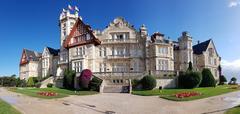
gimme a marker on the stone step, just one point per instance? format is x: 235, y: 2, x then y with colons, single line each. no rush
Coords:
x: 45, y: 82
x: 114, y: 89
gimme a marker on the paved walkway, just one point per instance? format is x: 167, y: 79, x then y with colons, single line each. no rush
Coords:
x: 114, y: 103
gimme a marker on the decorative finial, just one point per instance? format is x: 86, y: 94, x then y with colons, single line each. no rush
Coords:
x: 76, y: 9
x: 70, y: 7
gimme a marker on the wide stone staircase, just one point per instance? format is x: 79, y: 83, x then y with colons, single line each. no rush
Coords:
x: 46, y: 81
x: 115, y: 86
x: 115, y: 89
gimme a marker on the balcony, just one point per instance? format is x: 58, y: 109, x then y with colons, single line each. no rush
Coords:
x: 119, y: 41
x: 164, y: 73
x: 106, y: 75
x: 118, y: 56
x: 78, y: 56
x: 62, y: 62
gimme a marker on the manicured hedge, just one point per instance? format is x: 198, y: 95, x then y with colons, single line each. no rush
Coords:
x: 148, y: 82
x: 207, y: 78
x: 189, y: 79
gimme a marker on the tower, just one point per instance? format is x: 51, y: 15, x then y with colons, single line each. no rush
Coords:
x: 67, y: 19
x: 185, y: 50
x: 66, y: 22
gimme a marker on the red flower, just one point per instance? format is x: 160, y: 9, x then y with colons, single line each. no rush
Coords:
x: 47, y: 93
x: 186, y: 94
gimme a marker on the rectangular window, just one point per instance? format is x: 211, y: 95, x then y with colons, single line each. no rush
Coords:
x: 105, y: 51
x: 100, y: 52
x: 77, y: 66
x: 103, y: 67
x: 80, y: 51
x: 163, y: 50
x: 163, y: 64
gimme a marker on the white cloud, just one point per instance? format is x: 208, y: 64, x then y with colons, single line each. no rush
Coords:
x: 231, y: 68
x: 233, y: 3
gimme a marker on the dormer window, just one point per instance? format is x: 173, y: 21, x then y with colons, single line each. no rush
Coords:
x: 120, y: 36
x: 88, y: 37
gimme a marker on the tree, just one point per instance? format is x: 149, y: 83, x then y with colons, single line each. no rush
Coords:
x: 85, y: 78
x: 233, y: 80
x: 148, y: 82
x: 95, y: 83
x: 8, y: 81
x: 68, y: 79
x: 190, y: 66
x: 189, y: 80
x: 30, y: 82
x: 222, y: 80
x: 207, y: 78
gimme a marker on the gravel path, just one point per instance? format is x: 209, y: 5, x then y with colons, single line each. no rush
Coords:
x: 115, y: 103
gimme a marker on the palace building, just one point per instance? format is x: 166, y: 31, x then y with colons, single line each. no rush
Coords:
x: 118, y: 53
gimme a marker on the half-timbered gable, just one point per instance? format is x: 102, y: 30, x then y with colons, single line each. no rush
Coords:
x: 81, y: 34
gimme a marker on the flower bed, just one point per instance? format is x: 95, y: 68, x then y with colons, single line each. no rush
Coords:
x: 187, y: 94
x: 47, y: 94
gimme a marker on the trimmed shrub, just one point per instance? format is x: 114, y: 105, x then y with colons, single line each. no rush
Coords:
x: 135, y: 83
x: 49, y: 85
x: 95, y: 84
x: 233, y: 81
x: 189, y: 80
x: 68, y: 80
x: 30, y: 82
x: 222, y: 80
x: 190, y: 66
x: 85, y: 78
x: 148, y: 82
x: 207, y: 79
x: 38, y: 85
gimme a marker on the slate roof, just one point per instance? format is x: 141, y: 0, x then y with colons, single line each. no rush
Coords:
x: 201, y: 47
x: 32, y: 55
x: 53, y: 51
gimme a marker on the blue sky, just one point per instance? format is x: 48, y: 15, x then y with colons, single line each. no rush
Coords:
x: 33, y: 24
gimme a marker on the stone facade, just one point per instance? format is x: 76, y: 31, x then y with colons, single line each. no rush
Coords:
x: 121, y: 52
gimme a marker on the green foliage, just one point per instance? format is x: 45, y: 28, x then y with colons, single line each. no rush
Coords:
x: 35, y: 80
x: 8, y: 81
x: 30, y: 82
x: 68, y: 80
x: 190, y: 66
x: 95, y: 83
x: 38, y: 85
x: 49, y: 85
x: 135, y: 83
x: 170, y: 93
x: 189, y: 79
x: 222, y: 80
x: 148, y: 82
x: 7, y: 108
x: 21, y: 83
x: 207, y: 79
x: 233, y: 81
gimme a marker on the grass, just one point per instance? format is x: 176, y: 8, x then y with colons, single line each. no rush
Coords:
x: 235, y: 110
x: 5, y: 108
x: 170, y: 93
x: 60, y: 92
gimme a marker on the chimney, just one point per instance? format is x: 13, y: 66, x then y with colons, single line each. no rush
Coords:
x: 198, y: 42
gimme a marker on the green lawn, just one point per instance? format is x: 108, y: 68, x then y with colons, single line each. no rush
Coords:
x: 170, y: 93
x: 235, y: 110
x: 7, y: 109
x: 60, y: 92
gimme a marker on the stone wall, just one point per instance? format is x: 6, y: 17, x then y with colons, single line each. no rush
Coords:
x: 167, y: 83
